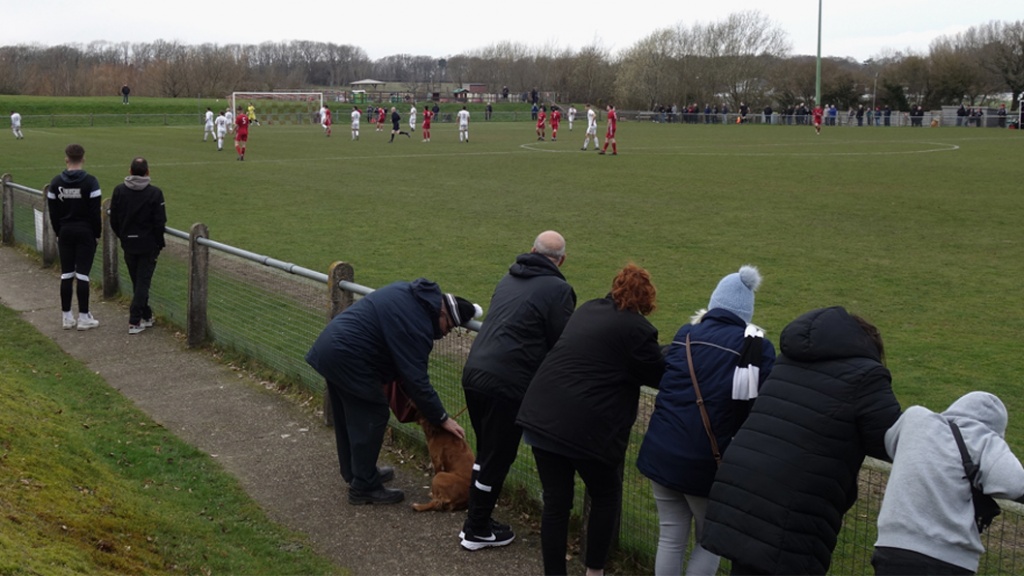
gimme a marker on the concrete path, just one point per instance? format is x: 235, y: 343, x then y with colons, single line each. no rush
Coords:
x: 283, y: 455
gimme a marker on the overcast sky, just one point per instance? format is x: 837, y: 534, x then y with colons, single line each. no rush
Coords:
x: 860, y: 29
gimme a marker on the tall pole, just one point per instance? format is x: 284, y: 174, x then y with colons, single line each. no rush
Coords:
x: 817, y: 81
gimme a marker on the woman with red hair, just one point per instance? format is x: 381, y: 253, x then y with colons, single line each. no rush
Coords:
x: 580, y: 407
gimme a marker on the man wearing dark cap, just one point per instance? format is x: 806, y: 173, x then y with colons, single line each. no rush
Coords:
x: 386, y: 336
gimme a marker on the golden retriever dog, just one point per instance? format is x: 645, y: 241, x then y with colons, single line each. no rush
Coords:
x: 453, y: 468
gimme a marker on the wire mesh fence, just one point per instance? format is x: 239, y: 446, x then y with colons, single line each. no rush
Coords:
x: 273, y: 317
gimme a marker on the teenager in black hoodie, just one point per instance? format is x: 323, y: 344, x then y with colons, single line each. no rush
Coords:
x: 73, y: 198
x: 138, y: 218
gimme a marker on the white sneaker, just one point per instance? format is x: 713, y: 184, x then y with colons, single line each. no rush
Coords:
x: 87, y: 322
x: 135, y: 328
x: 146, y: 323
x: 69, y: 322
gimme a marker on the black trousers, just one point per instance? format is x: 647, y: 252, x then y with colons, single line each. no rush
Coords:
x: 76, y: 247
x: 558, y: 479
x: 900, y: 562
x: 140, y: 268
x: 497, y: 445
x: 359, y: 427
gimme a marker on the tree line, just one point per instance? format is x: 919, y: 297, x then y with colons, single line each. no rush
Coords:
x: 744, y: 58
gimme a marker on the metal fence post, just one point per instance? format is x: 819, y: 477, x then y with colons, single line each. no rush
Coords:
x: 198, y: 285
x: 339, y: 300
x: 7, y: 229
x: 111, y: 281
x: 49, y: 236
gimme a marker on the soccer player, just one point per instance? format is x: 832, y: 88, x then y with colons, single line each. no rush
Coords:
x: 208, y: 124
x: 16, y: 125
x: 356, y: 115
x: 230, y: 116
x: 609, y: 136
x: 325, y: 120
x: 591, y: 129
x: 571, y: 114
x: 381, y: 114
x: 463, y: 125
x: 396, y: 119
x: 241, y: 132
x: 222, y: 128
x: 427, y: 117
x: 817, y: 116
x: 542, y: 118
x: 556, y: 119
x: 412, y: 118
x: 252, y: 116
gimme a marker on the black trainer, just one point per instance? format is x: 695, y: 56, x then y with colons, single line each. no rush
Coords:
x: 495, y: 526
x: 493, y: 538
x: 379, y: 496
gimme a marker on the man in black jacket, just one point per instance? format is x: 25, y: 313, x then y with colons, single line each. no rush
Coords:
x: 529, y: 309
x: 74, y: 200
x: 138, y: 218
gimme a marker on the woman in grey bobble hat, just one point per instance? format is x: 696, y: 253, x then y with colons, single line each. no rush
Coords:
x: 730, y: 358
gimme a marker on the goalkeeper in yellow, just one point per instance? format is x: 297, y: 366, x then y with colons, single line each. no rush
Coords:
x: 251, y: 113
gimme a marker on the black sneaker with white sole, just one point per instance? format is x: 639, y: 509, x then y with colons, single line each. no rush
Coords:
x: 493, y: 538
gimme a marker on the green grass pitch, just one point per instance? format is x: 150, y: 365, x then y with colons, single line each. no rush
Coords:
x: 918, y: 229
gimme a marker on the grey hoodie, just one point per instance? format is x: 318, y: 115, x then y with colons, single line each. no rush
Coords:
x: 927, y: 506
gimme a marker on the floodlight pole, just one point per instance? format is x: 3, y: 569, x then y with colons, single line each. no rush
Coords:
x: 817, y: 81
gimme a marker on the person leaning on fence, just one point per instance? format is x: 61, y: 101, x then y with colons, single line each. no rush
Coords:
x: 790, y: 474
x: 528, y: 311
x: 385, y: 336
x: 731, y: 358
x: 579, y: 410
x: 138, y: 218
x: 927, y: 521
x: 74, y: 200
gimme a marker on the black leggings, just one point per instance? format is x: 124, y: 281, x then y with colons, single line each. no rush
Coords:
x: 558, y: 478
x: 77, y: 249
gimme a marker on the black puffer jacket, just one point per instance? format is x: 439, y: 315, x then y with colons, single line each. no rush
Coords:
x: 528, y: 312
x: 790, y: 474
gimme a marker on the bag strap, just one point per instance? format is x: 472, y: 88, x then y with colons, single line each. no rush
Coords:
x: 700, y: 404
x: 970, y: 468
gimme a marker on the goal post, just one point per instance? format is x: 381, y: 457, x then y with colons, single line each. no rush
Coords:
x: 281, y: 107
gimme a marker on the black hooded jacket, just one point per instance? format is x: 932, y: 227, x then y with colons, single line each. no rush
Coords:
x: 138, y: 216
x: 790, y: 474
x: 74, y: 199
x: 529, y: 309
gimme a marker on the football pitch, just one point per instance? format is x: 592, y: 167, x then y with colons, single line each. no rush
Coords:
x: 917, y: 229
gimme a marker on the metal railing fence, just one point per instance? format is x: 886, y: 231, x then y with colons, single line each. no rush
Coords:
x: 272, y: 311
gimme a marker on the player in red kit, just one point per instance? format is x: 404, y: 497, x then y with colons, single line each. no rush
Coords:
x: 817, y: 115
x: 542, y: 117
x: 609, y: 136
x: 381, y: 116
x: 556, y: 118
x: 241, y: 132
x: 326, y: 121
x: 427, y: 117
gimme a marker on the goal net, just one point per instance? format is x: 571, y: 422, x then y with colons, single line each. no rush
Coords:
x: 281, y: 107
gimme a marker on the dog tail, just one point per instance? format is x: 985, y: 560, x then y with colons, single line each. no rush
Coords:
x: 432, y: 505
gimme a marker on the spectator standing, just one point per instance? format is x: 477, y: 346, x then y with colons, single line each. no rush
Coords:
x: 385, y: 336
x: 926, y: 525
x: 1001, y: 113
x: 528, y: 311
x: 790, y: 473
x: 730, y: 359
x: 138, y: 218
x: 580, y: 407
x: 768, y: 114
x: 125, y: 91
x: 74, y: 200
